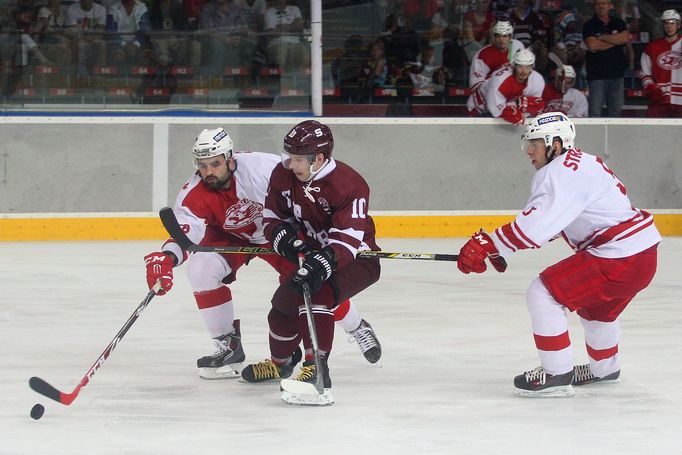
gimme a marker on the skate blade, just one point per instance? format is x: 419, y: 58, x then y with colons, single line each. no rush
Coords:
x: 308, y: 399
x: 230, y: 371
x: 597, y: 383
x: 554, y: 392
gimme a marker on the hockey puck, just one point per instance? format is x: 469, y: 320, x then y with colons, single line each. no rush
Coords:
x: 37, y: 411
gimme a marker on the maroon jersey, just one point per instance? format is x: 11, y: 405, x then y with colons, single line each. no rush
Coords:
x: 331, y: 210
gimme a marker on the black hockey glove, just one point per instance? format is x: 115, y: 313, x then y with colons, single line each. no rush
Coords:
x: 286, y: 243
x: 317, y: 267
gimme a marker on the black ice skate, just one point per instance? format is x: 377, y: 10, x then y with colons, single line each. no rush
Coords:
x: 539, y: 383
x: 227, y: 360
x: 303, y: 390
x: 267, y: 370
x: 367, y: 340
x: 583, y: 376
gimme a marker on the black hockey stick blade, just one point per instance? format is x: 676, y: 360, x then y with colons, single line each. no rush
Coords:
x: 174, y: 229
x: 42, y: 387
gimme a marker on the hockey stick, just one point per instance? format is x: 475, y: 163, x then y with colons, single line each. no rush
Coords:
x: 44, y: 388
x: 304, y: 393
x: 173, y: 227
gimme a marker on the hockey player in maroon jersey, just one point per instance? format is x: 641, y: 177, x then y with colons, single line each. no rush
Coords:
x: 577, y: 197
x: 661, y: 72
x: 512, y: 92
x: 326, y: 201
x: 222, y: 204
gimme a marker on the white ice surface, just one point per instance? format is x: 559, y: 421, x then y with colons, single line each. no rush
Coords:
x: 452, y: 344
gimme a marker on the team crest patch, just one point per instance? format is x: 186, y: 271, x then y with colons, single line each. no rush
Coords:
x: 242, y: 214
x: 325, y: 205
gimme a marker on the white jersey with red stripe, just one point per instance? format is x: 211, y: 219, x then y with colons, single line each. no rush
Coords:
x: 577, y: 196
x: 662, y: 65
x: 235, y: 214
x: 494, y: 94
x: 572, y: 103
x: 488, y: 59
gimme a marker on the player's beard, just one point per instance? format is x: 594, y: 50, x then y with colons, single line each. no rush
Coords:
x: 215, y: 183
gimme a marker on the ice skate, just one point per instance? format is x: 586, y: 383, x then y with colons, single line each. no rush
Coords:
x: 367, y: 340
x: 539, y: 383
x: 226, y: 361
x: 583, y: 376
x: 303, y: 390
x: 268, y: 371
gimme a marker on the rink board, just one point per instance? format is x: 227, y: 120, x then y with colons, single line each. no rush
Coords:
x: 148, y: 227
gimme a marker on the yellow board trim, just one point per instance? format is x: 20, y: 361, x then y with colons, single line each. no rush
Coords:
x: 150, y: 228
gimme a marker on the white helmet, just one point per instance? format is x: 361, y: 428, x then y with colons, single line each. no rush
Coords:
x: 566, y: 71
x: 503, y: 28
x: 547, y: 127
x: 212, y: 143
x: 524, y: 57
x: 670, y: 14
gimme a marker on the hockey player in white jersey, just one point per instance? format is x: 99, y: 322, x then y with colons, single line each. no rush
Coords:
x: 562, y: 97
x: 512, y: 92
x: 575, y: 196
x: 490, y: 58
x: 222, y: 204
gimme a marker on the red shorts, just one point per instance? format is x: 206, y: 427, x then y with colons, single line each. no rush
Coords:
x: 597, y: 288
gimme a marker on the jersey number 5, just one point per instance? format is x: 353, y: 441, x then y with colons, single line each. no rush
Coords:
x: 620, y: 186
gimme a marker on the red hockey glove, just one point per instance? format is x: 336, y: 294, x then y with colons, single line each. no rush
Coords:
x: 654, y: 92
x: 160, y: 267
x: 512, y: 115
x: 530, y: 104
x: 473, y: 254
x: 317, y: 267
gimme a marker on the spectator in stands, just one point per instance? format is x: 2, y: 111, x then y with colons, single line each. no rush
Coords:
x: 628, y: 11
x: 85, y: 21
x: 476, y: 27
x: 605, y: 37
x: 493, y: 56
x: 439, y: 21
x: 377, y: 71
x: 50, y: 28
x: 401, y: 41
x: 420, y: 12
x: 455, y: 63
x: 424, y: 75
x: 192, y: 10
x: 254, y: 12
x: 562, y: 97
x: 347, y: 67
x: 533, y: 30
x: 128, y: 31
x: 284, y: 26
x: 661, y: 72
x: 173, y: 43
x: 226, y: 35
x: 22, y: 39
x: 567, y: 40
x: 511, y: 93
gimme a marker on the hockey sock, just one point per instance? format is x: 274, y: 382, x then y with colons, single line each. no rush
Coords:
x: 347, y: 316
